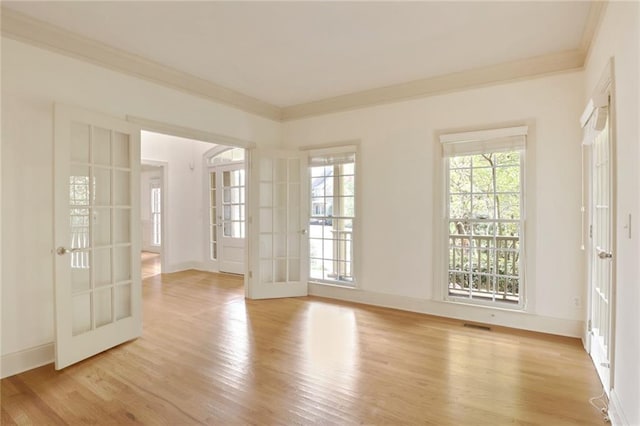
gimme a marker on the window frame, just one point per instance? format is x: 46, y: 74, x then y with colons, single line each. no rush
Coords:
x: 155, y: 186
x: 328, y: 151
x: 526, y: 205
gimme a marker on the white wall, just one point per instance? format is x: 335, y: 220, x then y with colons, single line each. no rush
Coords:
x: 32, y: 80
x: 184, y: 231
x: 398, y: 154
x: 618, y: 37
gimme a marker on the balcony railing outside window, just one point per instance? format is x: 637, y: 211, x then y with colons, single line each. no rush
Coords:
x: 484, y: 266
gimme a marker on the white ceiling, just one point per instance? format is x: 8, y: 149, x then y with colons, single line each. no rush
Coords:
x: 288, y: 53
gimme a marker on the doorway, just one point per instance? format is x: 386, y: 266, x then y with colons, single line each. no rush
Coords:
x: 152, y: 190
x: 193, y: 204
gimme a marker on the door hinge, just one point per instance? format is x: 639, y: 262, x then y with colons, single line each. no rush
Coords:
x: 250, y: 274
x: 589, y: 326
x: 590, y: 231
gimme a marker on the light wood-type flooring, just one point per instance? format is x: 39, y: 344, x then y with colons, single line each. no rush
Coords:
x: 208, y: 356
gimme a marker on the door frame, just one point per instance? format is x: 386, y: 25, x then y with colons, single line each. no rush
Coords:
x: 205, y: 136
x: 164, y: 224
x: 605, y: 88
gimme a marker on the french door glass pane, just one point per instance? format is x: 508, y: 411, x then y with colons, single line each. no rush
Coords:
x: 101, y: 146
x: 102, y: 226
x: 123, y: 301
x: 102, y: 186
x: 81, y: 313
x: 121, y: 150
x: 79, y: 143
x: 102, y: 306
x: 100, y: 219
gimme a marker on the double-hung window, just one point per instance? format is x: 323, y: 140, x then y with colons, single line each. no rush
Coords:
x: 332, y: 215
x: 484, y: 224
x: 156, y: 212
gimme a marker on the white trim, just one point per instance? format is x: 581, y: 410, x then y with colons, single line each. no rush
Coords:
x: 189, y: 133
x: 27, y: 359
x: 184, y: 266
x: 504, y: 318
x: 572, y: 60
x: 594, y: 19
x: 20, y: 27
x: 615, y: 413
x: 23, y: 28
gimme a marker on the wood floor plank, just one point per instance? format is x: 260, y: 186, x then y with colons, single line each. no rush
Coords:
x: 208, y: 356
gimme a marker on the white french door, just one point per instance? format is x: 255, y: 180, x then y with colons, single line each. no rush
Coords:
x: 230, y: 221
x: 97, y: 229
x: 278, y: 228
x: 602, y: 255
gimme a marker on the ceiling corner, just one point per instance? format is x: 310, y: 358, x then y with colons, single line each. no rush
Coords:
x: 20, y: 27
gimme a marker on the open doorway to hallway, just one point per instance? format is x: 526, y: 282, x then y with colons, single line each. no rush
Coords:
x: 193, y: 205
x: 152, y: 190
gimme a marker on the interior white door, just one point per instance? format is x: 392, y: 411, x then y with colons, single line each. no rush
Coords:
x: 97, y: 233
x: 278, y: 231
x: 602, y: 255
x: 231, y: 181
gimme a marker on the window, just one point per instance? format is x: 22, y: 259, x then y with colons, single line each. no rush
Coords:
x: 484, y: 215
x: 332, y: 216
x: 231, y: 155
x: 156, y: 208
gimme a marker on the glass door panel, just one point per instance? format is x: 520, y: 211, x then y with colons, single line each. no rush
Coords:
x: 278, y: 237
x: 602, y: 256
x: 96, y: 160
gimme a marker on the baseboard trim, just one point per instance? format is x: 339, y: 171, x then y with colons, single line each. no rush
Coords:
x: 182, y: 266
x: 27, y: 359
x: 616, y: 415
x: 480, y: 314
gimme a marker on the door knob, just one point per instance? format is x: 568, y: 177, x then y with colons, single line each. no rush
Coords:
x: 63, y: 250
x: 602, y: 254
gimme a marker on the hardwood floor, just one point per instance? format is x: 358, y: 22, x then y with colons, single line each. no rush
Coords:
x: 208, y: 356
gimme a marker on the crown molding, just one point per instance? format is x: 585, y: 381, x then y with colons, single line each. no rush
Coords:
x: 495, y: 74
x: 26, y: 29
x: 23, y: 28
x: 596, y: 14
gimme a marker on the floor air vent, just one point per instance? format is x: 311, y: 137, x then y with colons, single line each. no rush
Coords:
x: 477, y: 326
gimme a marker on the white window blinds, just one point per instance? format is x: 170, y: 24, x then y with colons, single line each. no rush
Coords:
x: 594, y: 118
x: 481, y: 141
x: 332, y: 156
